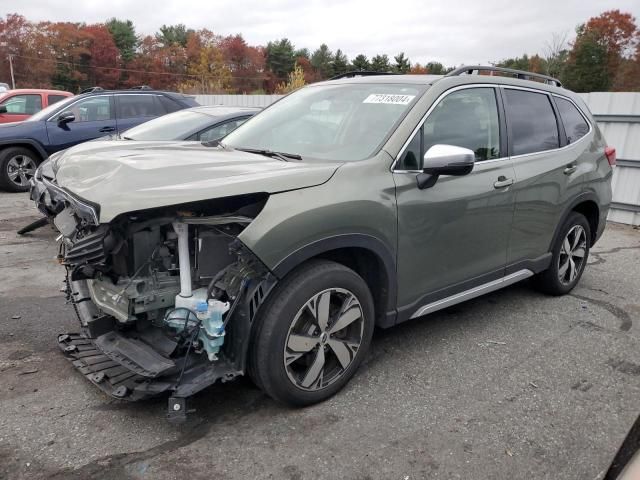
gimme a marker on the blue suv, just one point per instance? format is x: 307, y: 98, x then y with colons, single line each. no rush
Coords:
x: 96, y: 113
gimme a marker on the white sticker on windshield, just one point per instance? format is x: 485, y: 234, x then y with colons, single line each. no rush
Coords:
x: 389, y: 99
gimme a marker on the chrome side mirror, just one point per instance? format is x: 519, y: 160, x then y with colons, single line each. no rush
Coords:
x: 445, y: 160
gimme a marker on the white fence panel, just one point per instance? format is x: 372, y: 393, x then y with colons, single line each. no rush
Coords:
x: 237, y: 100
x: 618, y: 115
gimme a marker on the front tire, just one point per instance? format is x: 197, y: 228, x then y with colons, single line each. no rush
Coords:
x: 17, y: 166
x: 313, y: 333
x: 570, y: 254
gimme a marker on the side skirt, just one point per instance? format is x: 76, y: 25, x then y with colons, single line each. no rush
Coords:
x: 473, y: 293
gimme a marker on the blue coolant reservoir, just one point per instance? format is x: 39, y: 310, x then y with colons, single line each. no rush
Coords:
x: 210, y: 312
x: 211, y: 328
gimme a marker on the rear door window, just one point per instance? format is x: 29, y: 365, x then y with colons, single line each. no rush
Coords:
x: 169, y: 105
x: 575, y: 125
x: 23, y: 104
x: 135, y: 106
x: 531, y: 121
x: 55, y: 98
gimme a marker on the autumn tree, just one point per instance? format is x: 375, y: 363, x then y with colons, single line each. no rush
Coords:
x: 417, y: 69
x: 246, y: 63
x: 103, y: 54
x: 206, y: 68
x: 294, y: 81
x: 70, y: 44
x: 33, y: 62
x: 617, y: 33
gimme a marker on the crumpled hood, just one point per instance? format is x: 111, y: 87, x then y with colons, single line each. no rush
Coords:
x: 128, y: 176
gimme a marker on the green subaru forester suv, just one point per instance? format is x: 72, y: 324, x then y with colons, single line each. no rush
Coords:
x: 353, y: 203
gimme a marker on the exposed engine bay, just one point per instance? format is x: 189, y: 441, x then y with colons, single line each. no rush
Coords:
x: 165, y: 297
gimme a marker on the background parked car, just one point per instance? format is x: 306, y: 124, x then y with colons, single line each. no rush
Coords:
x: 204, y: 124
x: 4, y: 87
x: 74, y: 120
x: 18, y: 105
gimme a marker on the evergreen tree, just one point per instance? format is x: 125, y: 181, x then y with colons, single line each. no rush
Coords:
x: 280, y: 58
x: 586, y: 69
x: 361, y: 63
x: 173, y: 35
x: 340, y: 63
x: 322, y: 61
x: 124, y: 36
x: 380, y: 63
x: 402, y: 63
x: 435, y: 68
x: 302, y: 53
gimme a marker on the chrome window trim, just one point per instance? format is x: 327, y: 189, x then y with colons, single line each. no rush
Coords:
x: 428, y: 112
x: 79, y: 100
x: 484, y: 85
x: 482, y: 162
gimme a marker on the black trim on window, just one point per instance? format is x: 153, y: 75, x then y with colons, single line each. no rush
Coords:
x: 562, y: 134
x: 505, y: 140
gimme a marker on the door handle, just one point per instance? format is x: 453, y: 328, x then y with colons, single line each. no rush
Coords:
x: 503, y: 182
x: 570, y: 169
x: 107, y: 129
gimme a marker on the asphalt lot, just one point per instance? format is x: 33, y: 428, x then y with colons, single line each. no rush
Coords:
x: 511, y: 385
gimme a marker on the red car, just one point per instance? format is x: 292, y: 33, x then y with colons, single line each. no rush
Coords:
x: 18, y: 105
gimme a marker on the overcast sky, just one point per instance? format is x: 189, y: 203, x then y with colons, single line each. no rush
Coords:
x: 450, y: 31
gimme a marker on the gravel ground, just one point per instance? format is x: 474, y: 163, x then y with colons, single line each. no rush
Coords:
x: 511, y: 385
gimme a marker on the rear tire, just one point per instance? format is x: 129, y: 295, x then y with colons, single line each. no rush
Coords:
x: 313, y: 333
x: 17, y: 166
x: 570, y: 254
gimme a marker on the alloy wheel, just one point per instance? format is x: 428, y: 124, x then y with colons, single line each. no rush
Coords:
x: 20, y: 169
x: 572, y: 255
x: 323, y: 339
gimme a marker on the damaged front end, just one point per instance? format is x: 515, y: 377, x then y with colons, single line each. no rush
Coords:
x: 165, y: 297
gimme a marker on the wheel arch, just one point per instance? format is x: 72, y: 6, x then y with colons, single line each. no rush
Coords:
x: 367, y: 256
x: 586, y: 204
x: 25, y: 143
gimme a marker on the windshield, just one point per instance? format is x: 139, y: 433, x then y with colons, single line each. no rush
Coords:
x: 346, y: 122
x: 174, y: 126
x: 46, y: 112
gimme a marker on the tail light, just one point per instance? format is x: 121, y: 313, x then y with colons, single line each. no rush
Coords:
x: 610, y: 153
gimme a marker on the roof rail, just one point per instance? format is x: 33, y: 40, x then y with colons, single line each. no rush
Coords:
x: 363, y: 73
x: 92, y: 89
x: 521, y: 74
x: 141, y: 87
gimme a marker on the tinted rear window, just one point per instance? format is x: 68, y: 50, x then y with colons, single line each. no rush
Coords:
x: 169, y: 105
x: 575, y: 125
x: 131, y: 106
x: 55, y: 98
x: 531, y: 121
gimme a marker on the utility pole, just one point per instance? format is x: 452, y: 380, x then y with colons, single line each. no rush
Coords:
x: 13, y: 80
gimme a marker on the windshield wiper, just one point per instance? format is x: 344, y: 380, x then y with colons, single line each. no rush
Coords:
x: 285, y: 157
